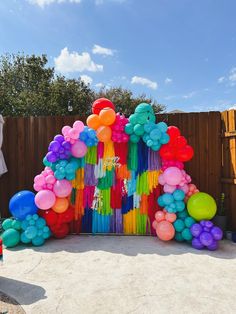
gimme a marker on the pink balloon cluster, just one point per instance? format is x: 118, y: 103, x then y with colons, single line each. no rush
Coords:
x: 172, y: 163
x: 192, y: 189
x: 71, y: 134
x: 118, y: 129
x: 45, y: 180
x: 173, y: 178
x: 163, y: 225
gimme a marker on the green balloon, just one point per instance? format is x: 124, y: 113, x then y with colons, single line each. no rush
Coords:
x: 186, y: 234
x: 133, y: 119
x: 179, y: 225
x: 201, y: 206
x: 134, y: 138
x: 179, y: 237
x: 129, y: 129
x: 7, y: 223
x: 189, y: 221
x: 138, y: 129
x: 10, y: 237
x: 16, y: 224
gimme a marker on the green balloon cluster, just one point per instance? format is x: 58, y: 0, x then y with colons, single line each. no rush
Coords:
x: 182, y: 226
x: 142, y: 125
x: 11, y: 235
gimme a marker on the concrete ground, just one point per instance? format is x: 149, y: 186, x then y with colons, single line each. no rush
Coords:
x: 112, y: 274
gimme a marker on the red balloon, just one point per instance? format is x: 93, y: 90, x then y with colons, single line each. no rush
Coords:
x: 50, y: 216
x: 180, y: 141
x: 60, y: 231
x: 173, y: 132
x: 185, y: 153
x: 167, y: 152
x: 100, y: 104
x: 67, y: 216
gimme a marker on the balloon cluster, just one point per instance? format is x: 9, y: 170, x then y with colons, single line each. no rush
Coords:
x: 58, y: 149
x: 89, y: 137
x: 71, y: 134
x: 102, y: 118
x: 35, y: 230
x: 58, y: 222
x: 11, y: 234
x: 155, y: 135
x: 182, y: 226
x: 172, y: 163
x: 172, y: 203
x: 192, y: 189
x: 177, y: 148
x: 45, y: 180
x: 173, y: 178
x: 66, y: 169
x: 163, y: 225
x: 118, y: 129
x: 205, y: 234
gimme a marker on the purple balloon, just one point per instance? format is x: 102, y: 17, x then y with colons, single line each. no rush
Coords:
x: 54, y: 146
x: 213, y: 246
x: 206, y: 238
x: 196, y: 230
x: 196, y: 244
x: 51, y: 157
x: 209, y: 224
x: 59, y: 138
x: 217, y: 233
x: 206, y: 229
x: 62, y: 156
x: 66, y: 145
x: 202, y: 223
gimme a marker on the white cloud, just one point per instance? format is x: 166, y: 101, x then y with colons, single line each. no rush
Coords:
x: 99, y: 2
x: 221, y: 79
x: 232, y: 107
x: 43, y: 3
x: 144, y: 81
x: 68, y: 62
x: 168, y: 80
x: 99, y: 85
x: 189, y: 95
x: 86, y: 79
x: 102, y: 51
x: 232, y: 76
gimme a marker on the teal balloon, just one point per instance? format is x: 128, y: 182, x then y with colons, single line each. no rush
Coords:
x: 133, y: 119
x: 40, y: 223
x: 142, y: 118
x: 46, y: 235
x: 145, y: 137
x: 134, y: 138
x: 167, y: 198
x: 162, y: 126
x: 179, y: 237
x: 144, y: 108
x: 179, y: 225
x: 149, y: 126
x: 156, y: 147
x: 10, y: 237
x: 165, y: 138
x: 180, y: 206
x: 31, y: 222
x: 46, y: 162
x: 24, y: 224
x: 178, y: 195
x: 186, y: 234
x: 70, y: 176
x: 16, y: 224
x: 35, y: 216
x: 38, y: 241
x: 129, y: 129
x: 24, y: 238
x: 149, y: 143
x: 31, y: 232
x: 139, y: 129
x: 7, y: 224
x: 160, y: 201
x: 182, y: 214
x: 155, y: 134
x: 189, y: 221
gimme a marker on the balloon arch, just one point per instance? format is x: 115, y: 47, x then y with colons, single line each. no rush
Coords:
x: 115, y: 175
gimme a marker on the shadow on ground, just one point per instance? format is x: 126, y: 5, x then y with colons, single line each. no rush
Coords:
x: 129, y: 245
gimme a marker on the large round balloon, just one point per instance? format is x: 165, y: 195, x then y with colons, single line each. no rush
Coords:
x: 22, y: 204
x: 45, y: 199
x: 62, y: 188
x: 165, y: 230
x: 201, y: 206
x: 104, y: 133
x: 10, y: 237
x: 100, y: 104
x: 107, y: 116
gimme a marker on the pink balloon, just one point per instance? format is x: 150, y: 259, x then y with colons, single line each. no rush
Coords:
x: 154, y: 224
x: 50, y: 179
x: 171, y: 217
x: 165, y: 230
x: 39, y: 179
x: 159, y: 215
x: 169, y: 188
x: 37, y: 187
x: 172, y: 175
x: 161, y: 179
x: 65, y: 129
x: 78, y: 149
x: 185, y: 188
x: 78, y: 125
x: 45, y: 199
x: 62, y: 188
x: 73, y: 134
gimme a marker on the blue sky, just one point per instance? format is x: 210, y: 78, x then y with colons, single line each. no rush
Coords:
x: 181, y: 52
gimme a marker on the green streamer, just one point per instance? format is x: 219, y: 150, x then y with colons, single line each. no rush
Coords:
x: 133, y: 156
x: 72, y: 197
x: 141, y: 223
x: 107, y: 181
x: 142, y: 184
x: 91, y: 156
x: 106, y: 202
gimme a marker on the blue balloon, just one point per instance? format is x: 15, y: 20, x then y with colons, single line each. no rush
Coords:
x: 22, y: 204
x: 83, y: 136
x: 162, y: 126
x: 31, y: 232
x: 160, y: 201
x: 180, y: 206
x: 37, y: 241
x: 164, y: 138
x: 24, y: 238
x: 40, y: 223
x: 155, y: 134
x: 167, y: 198
x: 179, y: 195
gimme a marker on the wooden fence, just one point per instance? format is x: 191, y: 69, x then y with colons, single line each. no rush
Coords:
x: 213, y: 169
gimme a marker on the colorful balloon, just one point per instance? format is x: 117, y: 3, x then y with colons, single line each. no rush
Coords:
x: 60, y: 205
x: 45, y: 199
x: 23, y: 204
x: 165, y: 230
x: 201, y: 206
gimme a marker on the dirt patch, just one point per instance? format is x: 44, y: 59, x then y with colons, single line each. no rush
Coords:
x: 9, y: 306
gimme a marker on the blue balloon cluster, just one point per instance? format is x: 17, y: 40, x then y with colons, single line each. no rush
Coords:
x: 142, y: 125
x: 66, y: 169
x: 35, y: 230
x: 182, y: 226
x: 89, y: 137
x: 172, y: 202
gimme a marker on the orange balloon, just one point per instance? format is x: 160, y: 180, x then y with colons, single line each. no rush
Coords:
x: 165, y: 230
x: 104, y: 133
x: 171, y: 217
x: 93, y: 121
x: 107, y: 116
x: 60, y: 205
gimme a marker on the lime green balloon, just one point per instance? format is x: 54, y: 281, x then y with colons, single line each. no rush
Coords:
x: 186, y: 234
x: 10, y: 237
x: 7, y: 223
x: 201, y: 206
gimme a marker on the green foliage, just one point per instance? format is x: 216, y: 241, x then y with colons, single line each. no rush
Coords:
x: 29, y: 87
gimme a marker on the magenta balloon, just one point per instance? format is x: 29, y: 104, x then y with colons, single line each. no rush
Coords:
x: 172, y: 175
x: 78, y: 149
x: 45, y: 199
x: 62, y: 188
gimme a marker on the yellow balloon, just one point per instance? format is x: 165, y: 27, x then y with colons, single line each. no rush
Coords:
x: 201, y: 206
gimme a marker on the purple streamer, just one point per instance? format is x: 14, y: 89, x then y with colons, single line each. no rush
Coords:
x: 154, y: 160
x: 89, y: 177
